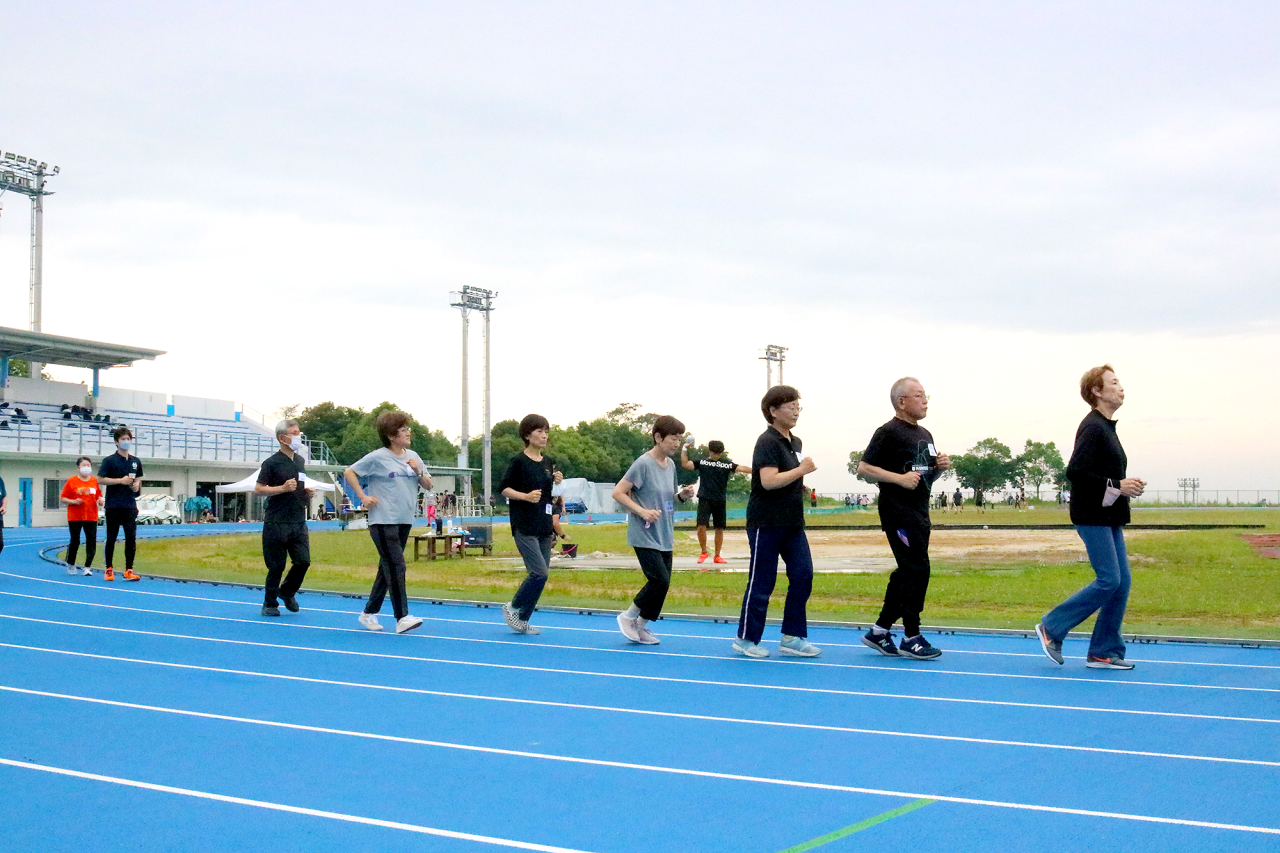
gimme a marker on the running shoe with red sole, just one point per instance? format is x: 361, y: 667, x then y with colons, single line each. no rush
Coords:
x: 109, y: 575
x: 131, y: 575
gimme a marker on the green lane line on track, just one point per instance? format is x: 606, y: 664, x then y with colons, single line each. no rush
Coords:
x: 858, y: 827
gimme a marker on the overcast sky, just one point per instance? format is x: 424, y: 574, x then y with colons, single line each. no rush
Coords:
x: 991, y: 196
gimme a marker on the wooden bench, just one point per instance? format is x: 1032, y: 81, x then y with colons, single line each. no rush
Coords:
x: 432, y: 538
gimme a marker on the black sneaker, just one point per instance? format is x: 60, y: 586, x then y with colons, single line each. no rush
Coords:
x: 883, y: 643
x: 270, y: 611
x: 290, y: 602
x: 919, y: 648
x: 1052, y: 648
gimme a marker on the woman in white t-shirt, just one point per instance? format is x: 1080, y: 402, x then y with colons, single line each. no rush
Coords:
x: 386, y: 481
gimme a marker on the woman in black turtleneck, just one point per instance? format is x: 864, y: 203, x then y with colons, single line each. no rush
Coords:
x: 1100, y: 492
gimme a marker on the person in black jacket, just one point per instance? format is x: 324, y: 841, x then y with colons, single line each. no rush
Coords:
x: 1100, y: 493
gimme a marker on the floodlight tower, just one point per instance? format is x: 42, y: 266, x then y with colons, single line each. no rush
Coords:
x: 1192, y: 483
x: 27, y: 175
x: 773, y: 353
x: 476, y: 299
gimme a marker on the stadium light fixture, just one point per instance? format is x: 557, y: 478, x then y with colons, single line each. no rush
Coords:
x: 27, y: 176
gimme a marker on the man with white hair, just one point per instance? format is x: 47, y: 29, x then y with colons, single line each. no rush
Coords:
x: 903, y: 461
x: 283, y: 479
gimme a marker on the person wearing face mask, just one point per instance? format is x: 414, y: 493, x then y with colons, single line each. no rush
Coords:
x: 283, y: 480
x: 121, y: 473
x: 80, y: 495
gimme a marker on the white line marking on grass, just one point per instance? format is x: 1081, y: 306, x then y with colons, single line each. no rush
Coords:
x: 732, y: 659
x: 281, y: 807
x: 133, y: 590
x: 578, y: 706
x: 654, y: 768
x: 628, y: 676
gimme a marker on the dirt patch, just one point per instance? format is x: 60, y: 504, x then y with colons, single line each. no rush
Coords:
x: 1049, y: 545
x: 1267, y: 544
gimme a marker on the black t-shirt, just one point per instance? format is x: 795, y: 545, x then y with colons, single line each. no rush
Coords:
x: 715, y: 474
x: 776, y: 507
x: 525, y: 475
x: 116, y: 466
x: 286, y: 507
x: 1096, y: 458
x: 901, y: 447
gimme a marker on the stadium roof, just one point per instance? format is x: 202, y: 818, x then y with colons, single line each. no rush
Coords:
x: 73, y: 352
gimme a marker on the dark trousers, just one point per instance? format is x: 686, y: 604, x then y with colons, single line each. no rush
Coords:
x: 90, y: 529
x: 278, y: 542
x: 904, y: 596
x: 390, y: 540
x: 536, y: 551
x: 117, y: 518
x: 767, y: 545
x: 656, y: 566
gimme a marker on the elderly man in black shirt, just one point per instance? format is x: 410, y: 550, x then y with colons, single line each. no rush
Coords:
x: 902, y: 459
x: 283, y: 478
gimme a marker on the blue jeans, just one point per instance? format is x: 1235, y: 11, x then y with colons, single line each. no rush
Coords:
x: 1108, y: 594
x: 767, y: 545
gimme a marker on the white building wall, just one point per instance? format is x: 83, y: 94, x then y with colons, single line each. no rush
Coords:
x: 128, y: 400
x: 203, y: 407
x: 44, y: 391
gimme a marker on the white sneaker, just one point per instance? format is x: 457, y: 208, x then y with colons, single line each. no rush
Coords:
x: 88, y: 572
x: 646, y: 636
x: 72, y: 570
x: 407, y: 623
x: 627, y: 624
x: 370, y: 621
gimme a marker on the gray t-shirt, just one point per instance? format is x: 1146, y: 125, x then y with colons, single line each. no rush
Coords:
x: 655, y: 488
x: 389, y: 478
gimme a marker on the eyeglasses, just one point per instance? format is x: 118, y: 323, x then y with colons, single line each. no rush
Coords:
x: 793, y: 405
x: 924, y: 397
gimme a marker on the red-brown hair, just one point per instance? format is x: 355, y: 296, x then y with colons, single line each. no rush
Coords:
x: 1091, y: 381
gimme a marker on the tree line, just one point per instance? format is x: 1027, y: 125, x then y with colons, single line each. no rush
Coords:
x: 601, y: 450
x: 990, y: 466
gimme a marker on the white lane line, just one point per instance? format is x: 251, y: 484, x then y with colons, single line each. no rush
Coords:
x: 577, y: 706
x: 734, y: 659
x: 679, y: 771
x: 130, y: 590
x: 654, y: 678
x: 281, y: 807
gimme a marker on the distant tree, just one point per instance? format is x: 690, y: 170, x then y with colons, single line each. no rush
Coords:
x: 21, y: 368
x: 988, y: 465
x: 327, y: 422
x: 1038, y: 464
x: 855, y: 456
x: 360, y: 436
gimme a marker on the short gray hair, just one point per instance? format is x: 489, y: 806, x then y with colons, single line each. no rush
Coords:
x: 287, y: 424
x: 899, y: 389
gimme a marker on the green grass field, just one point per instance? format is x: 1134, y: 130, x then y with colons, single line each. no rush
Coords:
x: 1200, y: 583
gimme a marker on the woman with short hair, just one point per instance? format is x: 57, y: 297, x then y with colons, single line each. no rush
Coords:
x: 81, y: 496
x: 527, y: 488
x: 386, y: 481
x: 1100, y: 493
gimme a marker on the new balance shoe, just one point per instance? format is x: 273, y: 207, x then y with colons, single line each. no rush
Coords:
x: 883, y: 643
x: 131, y: 575
x: 407, y: 623
x: 289, y: 602
x: 919, y: 648
x: 798, y: 647
x: 719, y: 561
x: 646, y: 636
x: 1052, y: 648
x: 370, y: 621
x: 270, y: 611
x: 109, y: 574
x: 750, y: 649
x: 1095, y: 662
x: 627, y: 625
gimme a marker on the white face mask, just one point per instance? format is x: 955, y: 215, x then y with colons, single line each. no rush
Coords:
x: 85, y: 470
x: 295, y: 443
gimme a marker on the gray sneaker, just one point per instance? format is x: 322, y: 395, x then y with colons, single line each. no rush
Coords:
x: 627, y: 625
x: 646, y: 636
x: 1095, y: 662
x: 798, y: 647
x: 1052, y: 648
x: 750, y: 649
x: 270, y: 611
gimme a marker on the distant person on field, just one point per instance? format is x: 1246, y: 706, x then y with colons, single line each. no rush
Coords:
x: 527, y: 488
x: 121, y: 473
x: 648, y: 492
x: 386, y: 481
x: 4, y: 507
x: 1100, y: 491
x: 283, y: 480
x: 81, y: 495
x: 775, y: 530
x: 979, y: 502
x: 903, y: 460
x: 957, y: 501
x: 714, y: 473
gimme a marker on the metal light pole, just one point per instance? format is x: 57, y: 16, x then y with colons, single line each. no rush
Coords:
x: 773, y: 353
x: 27, y: 176
x: 475, y: 299
x: 1192, y: 483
